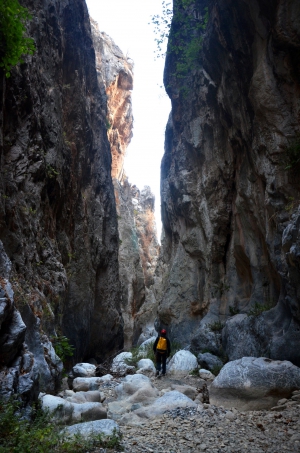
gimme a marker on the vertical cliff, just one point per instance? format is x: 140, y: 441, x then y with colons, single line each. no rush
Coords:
x: 230, y: 185
x: 58, y: 220
x: 138, y: 246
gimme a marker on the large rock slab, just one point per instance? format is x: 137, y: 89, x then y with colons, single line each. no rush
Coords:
x: 134, y: 392
x: 66, y: 412
x: 182, y: 362
x: 145, y: 365
x: 136, y: 384
x: 105, y: 428
x: 92, y: 383
x: 120, y: 366
x: 84, y: 370
x: 169, y: 401
x: 209, y: 361
x: 254, y: 383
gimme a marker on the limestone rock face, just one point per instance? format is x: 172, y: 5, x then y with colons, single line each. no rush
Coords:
x: 58, y: 220
x: 228, y: 189
x: 136, y: 223
x: 19, y: 373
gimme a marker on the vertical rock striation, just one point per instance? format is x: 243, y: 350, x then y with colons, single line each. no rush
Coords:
x: 58, y: 220
x: 228, y: 198
x: 137, y: 231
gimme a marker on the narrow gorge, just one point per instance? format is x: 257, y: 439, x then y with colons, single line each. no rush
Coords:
x: 83, y: 276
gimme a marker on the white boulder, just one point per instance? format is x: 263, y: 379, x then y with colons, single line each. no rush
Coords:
x: 145, y: 365
x: 119, y: 364
x: 105, y: 428
x: 66, y: 412
x: 169, y: 401
x: 182, y: 361
x: 81, y: 384
x: 206, y: 375
x: 84, y: 370
x: 253, y: 383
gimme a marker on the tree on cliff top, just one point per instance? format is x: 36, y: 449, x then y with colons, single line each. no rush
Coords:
x: 13, y: 40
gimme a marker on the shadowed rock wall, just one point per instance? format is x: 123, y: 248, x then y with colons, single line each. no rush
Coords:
x: 226, y: 195
x: 58, y: 220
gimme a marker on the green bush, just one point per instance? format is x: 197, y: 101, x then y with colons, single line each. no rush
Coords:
x: 19, y: 435
x: 13, y: 41
x: 216, y: 326
x: 233, y: 310
x: 185, y: 38
x: 62, y: 347
x: 258, y: 309
x: 292, y: 154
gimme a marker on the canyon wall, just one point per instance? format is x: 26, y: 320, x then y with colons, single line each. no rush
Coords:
x: 230, y: 185
x: 58, y: 219
x: 138, y: 245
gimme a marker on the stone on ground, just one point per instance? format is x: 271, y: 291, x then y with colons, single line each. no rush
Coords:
x: 65, y: 412
x: 206, y: 375
x: 254, y: 383
x: 182, y: 361
x: 84, y: 370
x: 209, y: 361
x: 145, y: 365
x: 119, y: 365
x: 105, y: 428
x: 169, y: 401
x: 92, y: 383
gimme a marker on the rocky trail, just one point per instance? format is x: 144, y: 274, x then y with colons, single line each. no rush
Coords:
x: 207, y: 427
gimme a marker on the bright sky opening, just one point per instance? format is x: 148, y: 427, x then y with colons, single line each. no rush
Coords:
x: 128, y: 23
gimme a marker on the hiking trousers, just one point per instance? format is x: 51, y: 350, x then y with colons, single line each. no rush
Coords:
x: 161, y: 361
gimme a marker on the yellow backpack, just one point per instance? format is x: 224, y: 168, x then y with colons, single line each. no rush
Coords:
x: 162, y: 345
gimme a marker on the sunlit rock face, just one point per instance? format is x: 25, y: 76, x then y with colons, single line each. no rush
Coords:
x: 226, y: 195
x: 58, y: 220
x: 138, y: 246
x: 115, y: 71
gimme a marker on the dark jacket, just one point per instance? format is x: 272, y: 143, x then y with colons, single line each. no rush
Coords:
x: 168, y: 344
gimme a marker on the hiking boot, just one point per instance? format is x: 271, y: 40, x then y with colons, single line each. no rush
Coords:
x: 163, y: 374
x: 157, y: 373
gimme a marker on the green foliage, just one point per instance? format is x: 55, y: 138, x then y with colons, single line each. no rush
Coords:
x: 233, y: 310
x: 51, y: 172
x: 216, y: 326
x: 19, y: 435
x: 194, y: 372
x: 220, y: 289
x: 185, y: 37
x: 13, y: 41
x: 216, y: 369
x: 292, y: 154
x: 258, y: 309
x: 62, y: 347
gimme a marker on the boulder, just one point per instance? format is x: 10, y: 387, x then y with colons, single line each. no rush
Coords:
x: 209, y: 361
x: 135, y: 384
x: 254, y: 383
x: 206, y: 375
x: 119, y: 365
x: 92, y: 383
x: 67, y: 412
x: 187, y: 390
x: 134, y: 392
x: 182, y: 361
x: 169, y: 401
x: 145, y: 365
x: 148, y: 342
x: 105, y: 428
x: 84, y: 370
x: 92, y: 396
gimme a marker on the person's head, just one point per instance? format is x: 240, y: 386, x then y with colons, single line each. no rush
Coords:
x: 163, y: 332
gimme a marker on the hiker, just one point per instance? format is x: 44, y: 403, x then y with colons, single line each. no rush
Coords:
x: 162, y: 349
